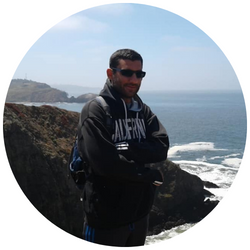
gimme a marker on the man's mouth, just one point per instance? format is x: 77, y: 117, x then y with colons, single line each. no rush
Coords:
x: 131, y: 86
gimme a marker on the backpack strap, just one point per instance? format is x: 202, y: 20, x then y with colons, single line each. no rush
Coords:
x: 77, y: 166
x: 106, y: 107
x: 104, y: 104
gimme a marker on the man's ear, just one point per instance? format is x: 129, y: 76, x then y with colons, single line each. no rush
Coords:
x: 110, y: 74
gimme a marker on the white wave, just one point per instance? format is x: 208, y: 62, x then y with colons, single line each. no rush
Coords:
x: 218, y: 193
x: 199, y: 163
x: 216, y: 157
x: 193, y: 146
x: 203, y: 159
x: 219, y: 174
x: 232, y: 162
x: 222, y: 157
x: 168, y: 234
x: 36, y: 104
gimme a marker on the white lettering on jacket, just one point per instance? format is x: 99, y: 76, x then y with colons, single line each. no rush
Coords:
x: 132, y: 128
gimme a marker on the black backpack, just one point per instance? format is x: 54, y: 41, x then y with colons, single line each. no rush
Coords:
x: 76, y: 165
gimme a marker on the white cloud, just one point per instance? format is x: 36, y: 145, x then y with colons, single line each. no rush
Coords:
x: 82, y: 23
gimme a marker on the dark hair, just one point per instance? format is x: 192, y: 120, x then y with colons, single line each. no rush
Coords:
x: 125, y: 54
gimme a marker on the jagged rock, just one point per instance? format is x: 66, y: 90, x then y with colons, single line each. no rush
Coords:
x: 84, y: 98
x: 209, y: 184
x: 179, y: 200
x: 38, y: 142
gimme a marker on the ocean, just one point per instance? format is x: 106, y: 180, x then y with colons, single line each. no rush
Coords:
x: 207, y: 131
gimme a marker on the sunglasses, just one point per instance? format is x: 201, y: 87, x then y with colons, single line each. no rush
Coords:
x: 129, y: 72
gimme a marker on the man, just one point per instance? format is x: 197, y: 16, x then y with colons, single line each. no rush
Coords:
x: 119, y: 191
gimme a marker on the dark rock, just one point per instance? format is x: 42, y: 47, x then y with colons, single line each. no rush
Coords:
x: 38, y: 142
x: 209, y: 184
x: 179, y: 200
x: 85, y: 97
x: 207, y: 193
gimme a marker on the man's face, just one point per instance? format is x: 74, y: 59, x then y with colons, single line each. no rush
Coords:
x: 126, y: 86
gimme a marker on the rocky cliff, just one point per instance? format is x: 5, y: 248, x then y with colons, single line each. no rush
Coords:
x: 38, y: 142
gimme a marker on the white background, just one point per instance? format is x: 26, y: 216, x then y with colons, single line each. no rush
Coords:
x: 23, y: 22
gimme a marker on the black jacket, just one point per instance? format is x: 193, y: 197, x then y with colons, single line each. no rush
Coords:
x: 119, y: 189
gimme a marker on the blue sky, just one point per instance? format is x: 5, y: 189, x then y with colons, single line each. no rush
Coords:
x: 177, y: 54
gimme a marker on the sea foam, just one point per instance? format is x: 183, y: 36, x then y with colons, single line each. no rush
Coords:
x: 193, y: 146
x: 232, y: 162
x: 168, y: 234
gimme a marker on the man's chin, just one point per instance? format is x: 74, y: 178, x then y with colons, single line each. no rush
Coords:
x: 131, y: 92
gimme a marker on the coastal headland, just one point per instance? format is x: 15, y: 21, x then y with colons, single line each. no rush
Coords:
x: 22, y: 90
